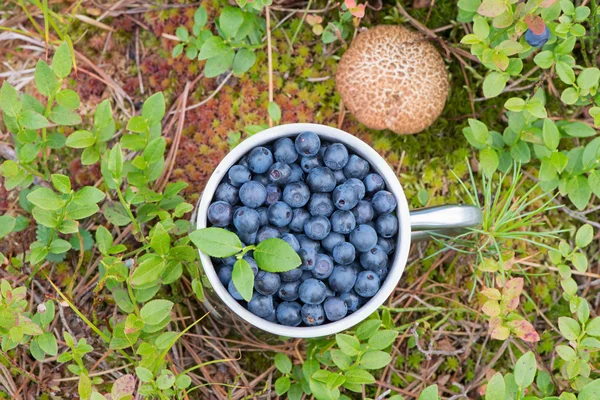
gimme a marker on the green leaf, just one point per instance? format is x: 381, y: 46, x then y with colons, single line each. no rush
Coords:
x: 182, y: 33
x: 593, y: 327
x: 137, y: 124
x: 588, y: 78
x: 244, y: 59
x: 489, y: 161
x: 47, y: 342
x: 7, y: 223
x: 340, y: 359
x: 61, y: 62
x: 243, y: 278
x: 367, y: 329
x: 566, y: 352
x: 374, y: 359
x: 84, y: 387
x: 590, y: 391
x: 45, y: 79
x: 570, y: 95
x: 544, y: 59
x: 276, y: 255
x: 551, y: 135
x: 177, y: 50
x: 219, y: 64
x: 45, y: 199
x: 78, y: 211
x: 68, y: 99
x: 62, y: 183
x: 32, y: 120
x: 594, y: 182
x: 212, y: 47
x: 282, y: 385
x: 115, y: 162
x: 359, y: 376
x: 565, y: 72
x: 160, y: 241
x: 491, y: 8
x: 155, y: 150
x: 155, y: 311
x: 274, y: 111
x: 430, y: 393
x: 580, y: 262
x: 493, y: 84
x: 45, y: 217
x: 515, y: 104
x: 9, y: 100
x: 200, y: 17
x: 154, y: 108
x: 149, y: 270
x: 59, y: 246
x: 165, y: 380
x: 216, y: 242
x: 283, y: 363
x: 104, y: 239
x: 231, y: 20
x: 348, y: 344
x: 382, y: 339
x: 578, y: 129
x: 88, y: 195
x: 584, y: 236
x: 63, y: 116
x: 144, y: 374
x: 496, y: 389
x: 579, y: 191
x: 569, y: 328
x: 525, y: 370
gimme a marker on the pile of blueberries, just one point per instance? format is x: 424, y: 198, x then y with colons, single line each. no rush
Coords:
x: 329, y: 207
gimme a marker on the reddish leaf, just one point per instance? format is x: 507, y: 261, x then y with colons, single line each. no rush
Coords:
x: 511, y: 292
x: 312, y: 19
x: 491, y: 308
x: 497, y: 330
x: 535, y: 23
x: 124, y: 386
x: 547, y: 3
x: 524, y: 330
x: 491, y: 293
x: 491, y: 8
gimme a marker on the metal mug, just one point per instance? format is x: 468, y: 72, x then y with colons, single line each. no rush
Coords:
x: 415, y: 225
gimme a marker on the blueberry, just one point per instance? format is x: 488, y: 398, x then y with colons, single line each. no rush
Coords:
x: 345, y: 196
x: 259, y: 160
x: 297, y: 173
x: 332, y: 240
x: 246, y: 220
x: 288, y: 313
x: 263, y: 179
x: 537, y: 40
x: 291, y: 275
x: 317, y: 228
x: 266, y: 283
x: 290, y: 239
x: 387, y: 245
x: 309, y: 163
x: 383, y: 202
x: 352, y: 300
x: 342, y: 222
x: 373, y: 184
x: 336, y: 156
x: 364, y: 238
x: 252, y: 262
x: 330, y: 292
x: 358, y: 186
x: 308, y: 144
x: 312, y: 291
x: 381, y: 272
x: 363, y: 212
x: 238, y: 175
x: 367, y: 284
x: 272, y: 317
x: 261, y: 305
x: 233, y: 291
x: 299, y: 218
x: 248, y: 238
x: 356, y: 167
x: 296, y: 194
x: 339, y: 176
x: 308, y: 243
x: 320, y: 204
x: 262, y: 216
x: 323, y: 268
x: 321, y: 180
x: 335, y: 308
x: 387, y: 225
x: 267, y: 232
x: 288, y: 291
x: 306, y: 275
x: 230, y: 261
x: 285, y: 151
x: 323, y: 149
x: 342, y: 278
x: 308, y: 257
x: 312, y: 314
x: 373, y: 259
x: 224, y: 274
x: 279, y: 173
x: 253, y: 194
x: 274, y: 194
x: 280, y: 214
x: 344, y: 253
x: 228, y: 193
x: 243, y: 161
x: 220, y: 213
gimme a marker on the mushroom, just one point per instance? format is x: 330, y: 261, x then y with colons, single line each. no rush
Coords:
x: 393, y: 78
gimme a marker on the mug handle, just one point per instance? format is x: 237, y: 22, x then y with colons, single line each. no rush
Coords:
x: 450, y: 220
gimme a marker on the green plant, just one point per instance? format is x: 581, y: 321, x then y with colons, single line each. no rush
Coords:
x: 239, y: 36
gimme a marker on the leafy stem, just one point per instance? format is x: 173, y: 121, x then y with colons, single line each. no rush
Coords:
x: 136, y: 225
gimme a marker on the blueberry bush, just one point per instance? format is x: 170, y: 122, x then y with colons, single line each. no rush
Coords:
x: 113, y: 117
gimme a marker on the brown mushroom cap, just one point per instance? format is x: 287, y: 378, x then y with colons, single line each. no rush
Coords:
x: 393, y: 78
